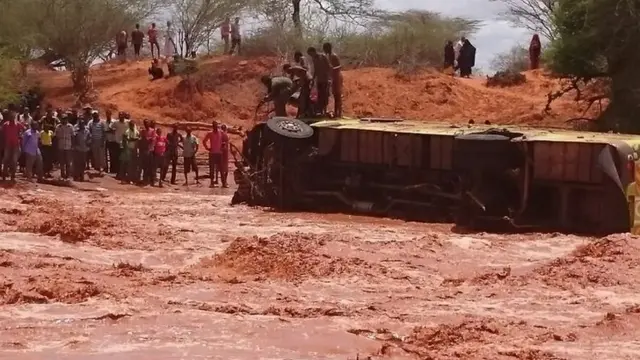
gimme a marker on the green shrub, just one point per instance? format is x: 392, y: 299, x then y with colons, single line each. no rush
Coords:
x: 409, y: 39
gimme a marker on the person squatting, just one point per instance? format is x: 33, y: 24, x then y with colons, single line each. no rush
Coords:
x: 298, y: 81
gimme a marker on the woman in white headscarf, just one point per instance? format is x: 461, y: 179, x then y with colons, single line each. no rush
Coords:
x: 169, y: 43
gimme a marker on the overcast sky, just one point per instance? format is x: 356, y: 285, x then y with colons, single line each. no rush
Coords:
x: 495, y: 36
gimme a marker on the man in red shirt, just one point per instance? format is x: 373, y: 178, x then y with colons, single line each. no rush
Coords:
x: 152, y: 33
x: 159, y: 149
x: 11, y: 131
x: 146, y: 146
x: 225, y: 31
x: 213, y: 143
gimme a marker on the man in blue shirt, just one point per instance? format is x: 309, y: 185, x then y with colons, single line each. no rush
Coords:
x: 31, y: 150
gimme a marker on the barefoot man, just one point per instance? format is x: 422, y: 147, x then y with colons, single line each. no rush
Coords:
x: 336, y: 79
x: 189, y: 150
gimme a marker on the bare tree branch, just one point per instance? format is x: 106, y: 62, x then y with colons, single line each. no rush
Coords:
x: 535, y: 15
x: 197, y: 19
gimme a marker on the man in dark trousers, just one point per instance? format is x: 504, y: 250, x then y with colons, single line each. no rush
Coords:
x: 174, y: 141
x: 320, y: 76
x: 279, y: 90
x: 137, y: 38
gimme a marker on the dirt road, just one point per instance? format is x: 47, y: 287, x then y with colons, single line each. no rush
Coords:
x: 129, y: 273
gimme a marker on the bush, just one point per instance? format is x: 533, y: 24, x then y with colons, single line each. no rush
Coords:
x: 505, y: 78
x: 514, y: 60
x: 8, y: 81
x: 407, y: 40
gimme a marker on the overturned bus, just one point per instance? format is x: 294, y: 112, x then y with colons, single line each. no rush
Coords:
x: 480, y: 177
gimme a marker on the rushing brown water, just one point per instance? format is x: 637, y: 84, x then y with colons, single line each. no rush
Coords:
x: 128, y: 273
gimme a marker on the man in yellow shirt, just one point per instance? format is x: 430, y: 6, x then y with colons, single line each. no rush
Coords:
x: 46, y: 149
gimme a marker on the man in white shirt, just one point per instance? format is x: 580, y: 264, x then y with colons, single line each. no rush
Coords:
x: 118, y: 127
x: 25, y: 117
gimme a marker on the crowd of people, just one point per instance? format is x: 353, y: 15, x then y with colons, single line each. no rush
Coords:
x: 74, y: 142
x: 229, y: 31
x: 325, y: 76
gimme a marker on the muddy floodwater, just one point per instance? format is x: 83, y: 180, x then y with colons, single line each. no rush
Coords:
x: 129, y: 273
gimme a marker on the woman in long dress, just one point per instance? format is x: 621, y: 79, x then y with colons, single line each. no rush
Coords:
x: 169, y: 43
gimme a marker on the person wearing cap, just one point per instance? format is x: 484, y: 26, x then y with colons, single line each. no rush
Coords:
x: 159, y: 150
x: 213, y: 144
x: 73, y: 117
x: 98, y: 142
x: 64, y: 145
x: 224, y: 163
x: 87, y: 112
x: 145, y: 150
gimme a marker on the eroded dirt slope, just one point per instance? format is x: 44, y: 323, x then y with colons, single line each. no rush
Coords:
x: 230, y: 90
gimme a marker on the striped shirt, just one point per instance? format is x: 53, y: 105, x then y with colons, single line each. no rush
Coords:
x: 81, y: 140
x: 64, y: 136
x: 97, y: 130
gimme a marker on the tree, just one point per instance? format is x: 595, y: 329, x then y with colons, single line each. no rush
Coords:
x: 535, y: 15
x: 8, y: 80
x: 346, y: 10
x: 197, y: 19
x: 74, y: 31
x: 598, y: 39
x: 514, y: 60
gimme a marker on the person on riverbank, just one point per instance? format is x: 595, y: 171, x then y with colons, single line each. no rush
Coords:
x: 159, y: 149
x: 174, y: 141
x: 32, y: 154
x: 336, y: 79
x: 64, y: 142
x: 213, y: 144
x: 224, y: 160
x: 81, y: 147
x: 11, y: 131
x: 189, y: 150
x: 236, y: 38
